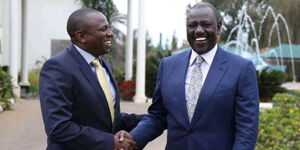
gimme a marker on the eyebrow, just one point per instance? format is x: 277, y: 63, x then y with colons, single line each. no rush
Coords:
x: 196, y: 20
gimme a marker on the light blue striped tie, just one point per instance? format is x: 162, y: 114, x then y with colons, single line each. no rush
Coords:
x: 195, y: 86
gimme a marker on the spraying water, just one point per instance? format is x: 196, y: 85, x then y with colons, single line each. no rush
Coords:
x: 249, y: 47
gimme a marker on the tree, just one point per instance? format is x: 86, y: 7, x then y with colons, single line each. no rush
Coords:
x: 174, y: 41
x: 159, y: 46
x: 107, y: 7
x: 149, y: 45
x: 167, y: 47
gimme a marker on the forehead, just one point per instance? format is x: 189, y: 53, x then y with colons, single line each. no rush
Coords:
x: 95, y: 19
x: 202, y: 13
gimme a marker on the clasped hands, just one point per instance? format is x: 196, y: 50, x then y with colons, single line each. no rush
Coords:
x: 124, y: 141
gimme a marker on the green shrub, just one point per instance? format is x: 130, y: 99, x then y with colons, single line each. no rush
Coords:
x: 269, y: 83
x: 119, y: 75
x: 34, y: 76
x: 280, y: 126
x: 294, y: 92
x: 289, y: 77
x: 285, y: 99
x: 6, y: 90
x: 152, y: 64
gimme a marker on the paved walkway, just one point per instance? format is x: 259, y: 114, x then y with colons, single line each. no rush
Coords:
x: 22, y: 128
x: 291, y: 85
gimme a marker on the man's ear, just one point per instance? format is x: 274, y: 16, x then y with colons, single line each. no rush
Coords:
x: 80, y: 36
x: 219, y: 26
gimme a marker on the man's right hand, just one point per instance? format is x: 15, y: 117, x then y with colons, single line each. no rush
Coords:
x: 124, y: 141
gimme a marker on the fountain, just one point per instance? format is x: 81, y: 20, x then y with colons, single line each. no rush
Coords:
x: 249, y: 47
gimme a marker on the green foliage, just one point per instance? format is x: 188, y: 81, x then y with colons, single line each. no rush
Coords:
x: 34, y: 76
x: 269, y: 83
x: 127, y: 88
x: 119, y: 75
x: 152, y: 64
x: 289, y: 77
x: 295, y: 92
x: 107, y: 7
x: 285, y: 99
x: 280, y: 126
x: 174, y: 42
x: 6, y: 89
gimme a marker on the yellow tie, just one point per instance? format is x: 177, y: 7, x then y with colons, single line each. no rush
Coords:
x: 104, y: 84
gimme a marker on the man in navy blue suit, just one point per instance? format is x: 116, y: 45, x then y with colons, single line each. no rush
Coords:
x: 206, y: 98
x: 79, y: 97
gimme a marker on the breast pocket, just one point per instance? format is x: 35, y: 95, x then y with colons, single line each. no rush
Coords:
x: 224, y: 94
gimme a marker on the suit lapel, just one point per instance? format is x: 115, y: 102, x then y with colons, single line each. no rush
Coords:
x: 90, y: 76
x: 181, y: 69
x: 213, y: 78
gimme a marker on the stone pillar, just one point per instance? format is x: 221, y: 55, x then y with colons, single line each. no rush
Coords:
x: 141, y: 52
x: 129, y: 43
x: 24, y: 66
x: 15, y: 42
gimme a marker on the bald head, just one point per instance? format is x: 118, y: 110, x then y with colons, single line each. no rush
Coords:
x: 78, y: 19
x: 204, y: 5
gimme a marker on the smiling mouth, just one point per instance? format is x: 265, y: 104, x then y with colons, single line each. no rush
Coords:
x: 107, y: 43
x: 201, y: 39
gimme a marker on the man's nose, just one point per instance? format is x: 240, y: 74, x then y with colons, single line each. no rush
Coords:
x: 110, y: 33
x: 199, y: 29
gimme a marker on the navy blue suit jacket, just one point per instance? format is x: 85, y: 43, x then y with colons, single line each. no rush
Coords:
x: 74, y: 108
x: 226, y: 115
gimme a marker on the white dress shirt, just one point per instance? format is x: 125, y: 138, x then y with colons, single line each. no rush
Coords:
x: 89, y: 58
x: 208, y: 59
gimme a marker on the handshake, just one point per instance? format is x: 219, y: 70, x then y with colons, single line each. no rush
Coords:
x: 124, y: 141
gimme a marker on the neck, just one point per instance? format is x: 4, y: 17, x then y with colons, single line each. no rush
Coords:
x: 83, y: 47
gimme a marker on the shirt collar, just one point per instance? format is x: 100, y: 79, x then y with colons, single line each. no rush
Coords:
x: 208, y: 56
x: 87, y: 56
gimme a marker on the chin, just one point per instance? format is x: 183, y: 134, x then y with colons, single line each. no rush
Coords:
x: 107, y: 50
x: 201, y: 50
x: 104, y: 51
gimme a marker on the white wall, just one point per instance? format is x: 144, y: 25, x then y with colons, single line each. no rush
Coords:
x: 1, y: 37
x: 4, y: 32
x: 46, y: 20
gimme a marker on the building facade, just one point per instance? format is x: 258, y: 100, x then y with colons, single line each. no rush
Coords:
x: 29, y: 31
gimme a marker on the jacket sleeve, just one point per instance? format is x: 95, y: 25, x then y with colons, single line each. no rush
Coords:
x: 129, y: 121
x: 246, y: 110
x: 155, y: 122
x: 57, y: 105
